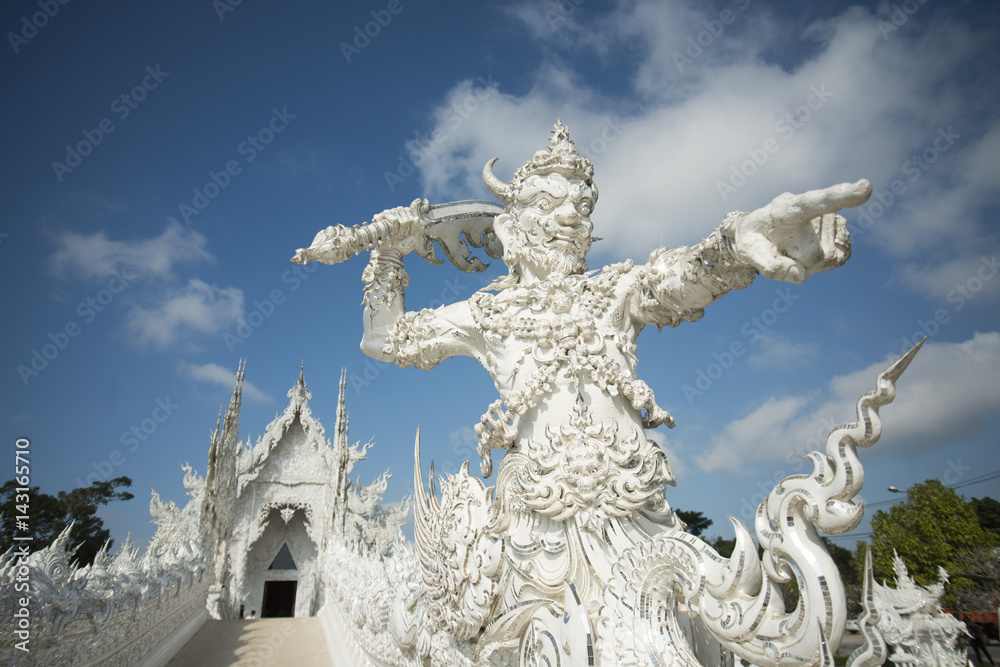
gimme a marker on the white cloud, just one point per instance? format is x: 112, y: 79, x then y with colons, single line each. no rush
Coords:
x: 197, y: 307
x: 943, y: 190
x: 944, y: 215
x: 962, y: 279
x: 742, y: 439
x: 164, y: 312
x: 476, y: 122
x: 95, y: 256
x: 216, y: 374
x: 946, y: 394
x: 554, y: 21
x: 776, y: 351
x: 884, y: 98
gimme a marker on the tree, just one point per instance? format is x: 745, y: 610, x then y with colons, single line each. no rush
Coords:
x: 934, y: 527
x: 724, y: 547
x: 988, y: 511
x: 981, y: 566
x: 49, y: 515
x: 844, y: 560
x: 697, y: 523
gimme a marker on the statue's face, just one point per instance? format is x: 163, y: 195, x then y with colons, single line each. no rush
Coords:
x: 552, y: 226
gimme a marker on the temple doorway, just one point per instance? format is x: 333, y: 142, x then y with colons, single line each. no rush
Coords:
x: 279, y: 599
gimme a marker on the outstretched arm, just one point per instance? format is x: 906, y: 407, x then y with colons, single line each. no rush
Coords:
x: 796, y: 236
x: 384, y: 279
x: 419, y: 338
x: 789, y: 239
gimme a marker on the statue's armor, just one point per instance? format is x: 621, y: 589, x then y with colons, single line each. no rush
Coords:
x: 572, y: 411
x: 576, y: 539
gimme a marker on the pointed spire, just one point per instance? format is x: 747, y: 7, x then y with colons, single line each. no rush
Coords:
x: 218, y: 425
x: 300, y: 393
x: 340, y: 428
x: 213, y: 454
x: 341, y: 453
x: 231, y: 430
x: 238, y: 389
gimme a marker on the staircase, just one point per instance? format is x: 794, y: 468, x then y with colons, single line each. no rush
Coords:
x: 295, y: 642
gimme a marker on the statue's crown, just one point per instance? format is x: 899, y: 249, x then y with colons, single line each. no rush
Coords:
x: 560, y: 157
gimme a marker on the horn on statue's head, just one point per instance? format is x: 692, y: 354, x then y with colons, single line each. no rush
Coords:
x: 502, y: 190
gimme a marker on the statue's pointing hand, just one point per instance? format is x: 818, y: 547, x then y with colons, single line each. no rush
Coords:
x: 796, y: 236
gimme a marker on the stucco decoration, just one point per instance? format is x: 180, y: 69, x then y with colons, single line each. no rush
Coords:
x: 114, y: 612
x: 291, y: 489
x: 670, y: 598
x: 574, y: 556
x: 910, y: 619
x: 872, y: 651
x: 286, y: 510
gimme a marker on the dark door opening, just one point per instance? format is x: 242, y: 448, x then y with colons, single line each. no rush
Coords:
x: 279, y: 599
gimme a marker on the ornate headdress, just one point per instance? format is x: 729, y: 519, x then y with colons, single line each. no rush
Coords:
x: 560, y: 158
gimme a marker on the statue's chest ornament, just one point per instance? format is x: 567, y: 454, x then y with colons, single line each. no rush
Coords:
x: 564, y: 328
x: 554, y: 309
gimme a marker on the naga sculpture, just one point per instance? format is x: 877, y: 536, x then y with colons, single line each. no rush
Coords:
x: 574, y: 556
x: 910, y: 618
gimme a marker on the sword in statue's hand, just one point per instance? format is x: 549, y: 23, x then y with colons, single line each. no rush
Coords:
x: 454, y: 226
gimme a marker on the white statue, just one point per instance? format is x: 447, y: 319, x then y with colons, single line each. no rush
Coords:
x: 575, y: 550
x: 910, y: 618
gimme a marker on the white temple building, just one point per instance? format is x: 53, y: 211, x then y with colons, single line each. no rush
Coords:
x: 270, y: 511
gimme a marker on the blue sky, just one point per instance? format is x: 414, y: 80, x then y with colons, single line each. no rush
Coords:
x: 165, y: 161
